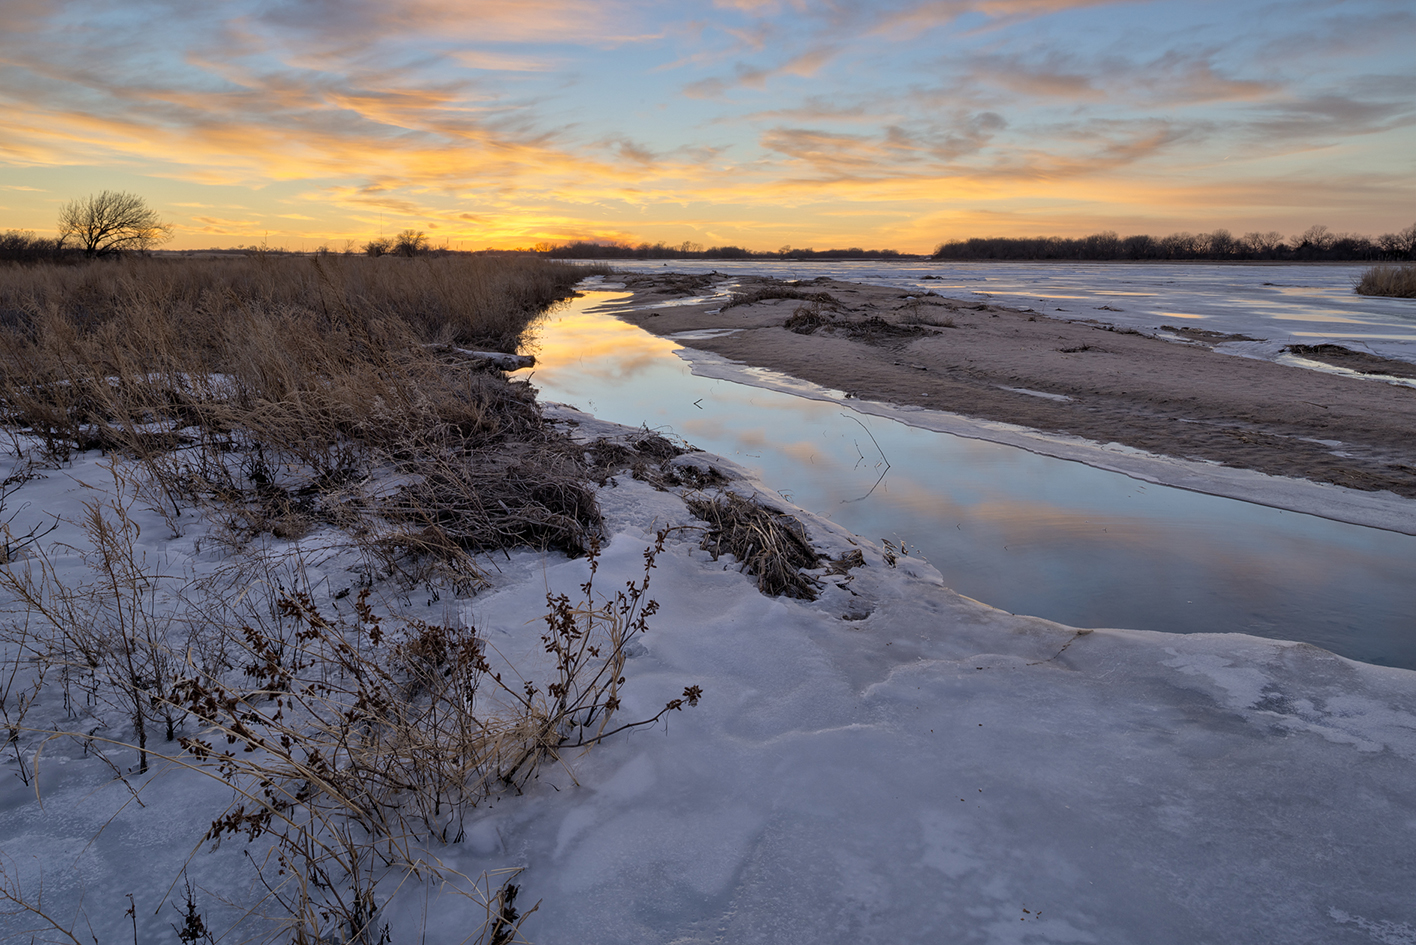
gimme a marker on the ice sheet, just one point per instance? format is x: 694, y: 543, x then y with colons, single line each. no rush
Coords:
x: 930, y: 769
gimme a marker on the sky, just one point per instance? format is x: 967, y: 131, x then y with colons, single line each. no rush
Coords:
x: 759, y: 123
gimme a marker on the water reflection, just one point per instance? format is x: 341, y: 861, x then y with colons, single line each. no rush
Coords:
x: 1020, y: 531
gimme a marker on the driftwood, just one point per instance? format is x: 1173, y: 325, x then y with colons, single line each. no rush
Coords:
x: 496, y: 359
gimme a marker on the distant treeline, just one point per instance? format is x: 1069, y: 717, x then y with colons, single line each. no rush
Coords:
x: 1316, y: 244
x: 23, y: 246
x: 583, y: 250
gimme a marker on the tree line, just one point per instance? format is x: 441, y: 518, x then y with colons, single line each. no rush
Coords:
x: 111, y: 223
x: 1316, y: 244
x: 690, y: 250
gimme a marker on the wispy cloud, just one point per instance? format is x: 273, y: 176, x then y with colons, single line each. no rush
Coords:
x: 579, y: 118
x: 909, y: 19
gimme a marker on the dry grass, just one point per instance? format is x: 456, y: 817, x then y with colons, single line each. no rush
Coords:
x: 274, y: 386
x: 1393, y: 281
x: 920, y: 312
x: 768, y: 544
x: 272, y: 392
x: 468, y: 300
x: 808, y: 318
x: 778, y: 290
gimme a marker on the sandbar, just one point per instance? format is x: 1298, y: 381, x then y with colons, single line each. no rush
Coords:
x: 1175, y: 396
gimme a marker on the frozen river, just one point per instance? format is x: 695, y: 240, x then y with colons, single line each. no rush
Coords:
x: 1021, y: 531
x: 1277, y: 304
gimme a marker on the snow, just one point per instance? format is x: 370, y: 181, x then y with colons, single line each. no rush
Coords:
x: 890, y: 763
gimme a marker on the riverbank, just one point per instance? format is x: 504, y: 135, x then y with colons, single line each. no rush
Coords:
x: 1175, y: 396
x: 345, y: 609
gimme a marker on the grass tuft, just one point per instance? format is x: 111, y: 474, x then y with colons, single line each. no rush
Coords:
x: 1397, y: 282
x: 774, y: 290
x: 769, y: 544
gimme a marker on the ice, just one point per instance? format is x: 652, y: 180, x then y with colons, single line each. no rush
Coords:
x: 1136, y: 787
x: 1280, y: 305
x: 929, y: 770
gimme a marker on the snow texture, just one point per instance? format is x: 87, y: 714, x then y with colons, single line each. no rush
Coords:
x: 890, y: 763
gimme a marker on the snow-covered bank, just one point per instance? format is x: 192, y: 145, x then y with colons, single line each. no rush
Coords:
x: 891, y: 762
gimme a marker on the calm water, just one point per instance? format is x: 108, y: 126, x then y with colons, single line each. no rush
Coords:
x: 1023, y: 532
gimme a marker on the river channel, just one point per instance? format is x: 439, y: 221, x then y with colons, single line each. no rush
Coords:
x: 1020, y: 531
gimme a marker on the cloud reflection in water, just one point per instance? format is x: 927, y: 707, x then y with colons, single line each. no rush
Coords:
x: 1023, y: 532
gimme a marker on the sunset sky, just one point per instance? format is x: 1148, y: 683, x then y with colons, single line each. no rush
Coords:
x: 759, y: 123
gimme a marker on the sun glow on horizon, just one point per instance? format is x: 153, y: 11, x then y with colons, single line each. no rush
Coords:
x: 759, y: 124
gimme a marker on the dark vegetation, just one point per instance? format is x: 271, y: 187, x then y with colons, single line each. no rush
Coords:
x: 1361, y: 361
x: 779, y: 290
x: 689, y: 250
x: 768, y: 544
x: 1316, y: 244
x: 23, y: 247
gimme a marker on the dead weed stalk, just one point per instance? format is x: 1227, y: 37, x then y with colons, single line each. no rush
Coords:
x: 354, y: 743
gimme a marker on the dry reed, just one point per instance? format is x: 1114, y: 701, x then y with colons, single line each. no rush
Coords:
x: 779, y: 290
x: 771, y: 545
x: 1393, y: 281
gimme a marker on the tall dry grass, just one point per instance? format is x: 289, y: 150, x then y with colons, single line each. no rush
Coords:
x: 467, y: 300
x: 268, y: 383
x: 1393, y: 281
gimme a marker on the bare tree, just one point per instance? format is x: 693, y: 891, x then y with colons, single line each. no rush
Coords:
x: 410, y: 243
x: 112, y: 222
x: 1316, y: 237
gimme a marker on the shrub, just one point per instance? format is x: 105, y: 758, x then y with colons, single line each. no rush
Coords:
x: 410, y: 243
x: 22, y: 246
x: 1393, y: 281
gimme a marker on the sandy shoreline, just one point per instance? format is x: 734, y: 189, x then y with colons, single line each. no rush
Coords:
x: 1076, y: 378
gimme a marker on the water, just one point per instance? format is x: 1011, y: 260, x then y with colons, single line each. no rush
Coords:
x: 1023, y: 532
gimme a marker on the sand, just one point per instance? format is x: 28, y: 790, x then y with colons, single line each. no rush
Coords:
x: 1176, y: 398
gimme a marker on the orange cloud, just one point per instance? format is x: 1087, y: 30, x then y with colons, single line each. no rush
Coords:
x: 486, y: 122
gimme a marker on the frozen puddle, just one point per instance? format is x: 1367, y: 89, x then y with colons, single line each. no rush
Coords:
x: 702, y: 333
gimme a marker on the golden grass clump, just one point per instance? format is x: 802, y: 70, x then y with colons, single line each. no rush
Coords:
x: 1397, y: 282
x: 770, y: 545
